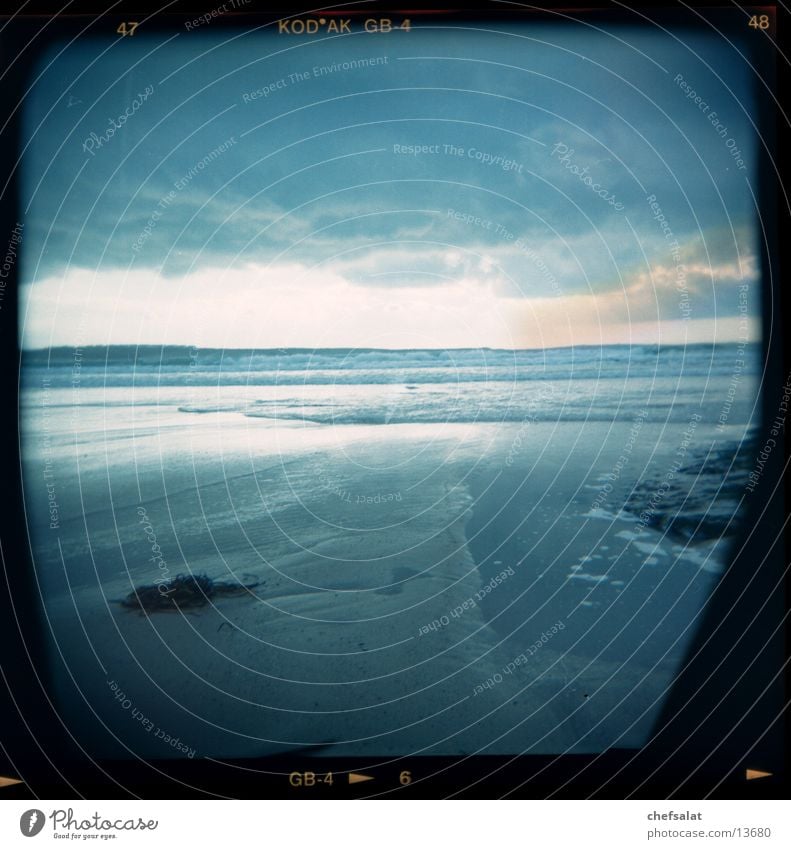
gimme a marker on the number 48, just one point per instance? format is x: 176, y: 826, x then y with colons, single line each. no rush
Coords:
x: 759, y: 22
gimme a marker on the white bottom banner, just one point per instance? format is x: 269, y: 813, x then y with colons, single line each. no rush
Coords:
x: 328, y: 824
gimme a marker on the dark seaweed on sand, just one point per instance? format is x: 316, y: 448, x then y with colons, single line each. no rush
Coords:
x: 184, y: 592
x: 701, y: 502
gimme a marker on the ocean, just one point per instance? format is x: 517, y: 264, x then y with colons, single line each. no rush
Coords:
x: 377, y: 386
x: 478, y: 535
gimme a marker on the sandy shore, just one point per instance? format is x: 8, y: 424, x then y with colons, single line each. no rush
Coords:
x: 437, y: 589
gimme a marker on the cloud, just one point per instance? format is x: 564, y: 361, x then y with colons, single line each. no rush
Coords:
x: 310, y: 227
x: 294, y: 305
x: 613, y: 318
x: 264, y: 306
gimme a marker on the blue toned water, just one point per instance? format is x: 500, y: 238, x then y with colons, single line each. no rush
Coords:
x: 370, y: 386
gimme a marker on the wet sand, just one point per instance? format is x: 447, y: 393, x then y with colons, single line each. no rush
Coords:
x: 393, y: 599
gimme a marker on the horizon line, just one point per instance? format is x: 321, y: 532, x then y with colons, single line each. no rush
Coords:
x: 281, y: 349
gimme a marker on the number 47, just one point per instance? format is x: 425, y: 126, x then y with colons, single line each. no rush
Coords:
x: 127, y: 27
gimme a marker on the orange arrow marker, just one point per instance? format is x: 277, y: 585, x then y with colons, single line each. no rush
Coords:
x: 356, y: 778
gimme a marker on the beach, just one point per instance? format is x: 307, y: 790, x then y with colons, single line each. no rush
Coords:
x: 417, y: 584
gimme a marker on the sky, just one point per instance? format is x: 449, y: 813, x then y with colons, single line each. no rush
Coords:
x: 528, y: 187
